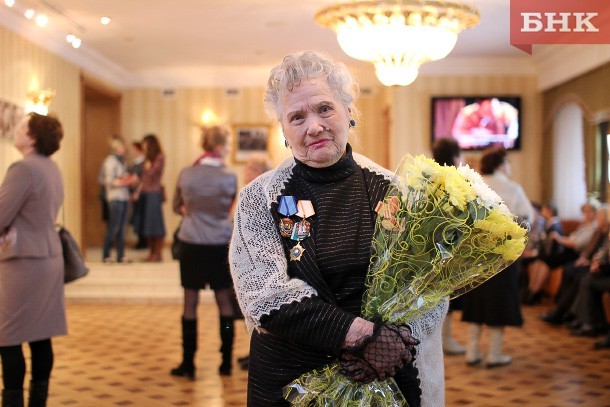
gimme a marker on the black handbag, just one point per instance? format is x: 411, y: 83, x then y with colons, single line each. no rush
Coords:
x: 176, y: 244
x: 74, y: 265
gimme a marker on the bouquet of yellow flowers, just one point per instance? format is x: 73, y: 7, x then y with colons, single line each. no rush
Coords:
x: 440, y: 231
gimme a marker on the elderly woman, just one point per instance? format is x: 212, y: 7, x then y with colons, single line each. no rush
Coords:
x: 496, y: 302
x: 204, y: 195
x: 301, y: 247
x: 32, y: 305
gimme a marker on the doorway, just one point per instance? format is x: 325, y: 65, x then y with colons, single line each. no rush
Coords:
x: 101, y: 119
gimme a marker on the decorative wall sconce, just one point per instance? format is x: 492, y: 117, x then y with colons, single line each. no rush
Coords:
x: 209, y: 118
x: 39, y: 101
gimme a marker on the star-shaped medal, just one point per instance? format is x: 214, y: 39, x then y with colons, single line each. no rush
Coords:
x: 296, y: 252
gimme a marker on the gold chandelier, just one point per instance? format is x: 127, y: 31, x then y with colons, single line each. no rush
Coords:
x: 397, y: 35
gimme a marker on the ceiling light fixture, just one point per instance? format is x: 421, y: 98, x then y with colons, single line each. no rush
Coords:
x: 397, y: 36
x: 73, y: 40
x: 105, y: 20
x: 44, y: 12
x: 42, y: 20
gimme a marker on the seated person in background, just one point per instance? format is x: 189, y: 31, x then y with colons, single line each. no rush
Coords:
x: 604, y: 343
x: 536, y: 235
x: 574, y: 271
x: 588, y: 308
x: 571, y: 248
x: 532, y: 249
x: 546, y: 248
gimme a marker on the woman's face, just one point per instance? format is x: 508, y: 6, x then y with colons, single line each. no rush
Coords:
x: 546, y: 212
x: 120, y: 150
x: 315, y: 123
x: 23, y: 142
x: 588, y: 212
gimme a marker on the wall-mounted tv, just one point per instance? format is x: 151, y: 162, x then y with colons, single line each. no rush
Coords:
x: 478, y: 122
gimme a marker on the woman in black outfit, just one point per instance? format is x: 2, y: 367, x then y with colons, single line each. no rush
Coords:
x: 301, y: 248
x: 204, y: 195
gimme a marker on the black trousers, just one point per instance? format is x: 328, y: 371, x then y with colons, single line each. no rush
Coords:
x: 13, y: 363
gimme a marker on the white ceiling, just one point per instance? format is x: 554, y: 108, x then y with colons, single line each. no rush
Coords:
x: 193, y: 42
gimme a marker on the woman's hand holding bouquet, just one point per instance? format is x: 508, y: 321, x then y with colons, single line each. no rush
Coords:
x: 440, y: 231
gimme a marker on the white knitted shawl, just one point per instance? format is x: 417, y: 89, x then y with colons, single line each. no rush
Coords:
x: 260, y: 272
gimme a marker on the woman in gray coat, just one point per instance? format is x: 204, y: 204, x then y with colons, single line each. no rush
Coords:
x: 32, y: 307
x: 204, y: 196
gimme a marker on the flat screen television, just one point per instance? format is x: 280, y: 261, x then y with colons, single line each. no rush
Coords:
x: 478, y: 122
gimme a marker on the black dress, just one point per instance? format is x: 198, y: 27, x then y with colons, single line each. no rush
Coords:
x: 338, y: 249
x: 495, y: 302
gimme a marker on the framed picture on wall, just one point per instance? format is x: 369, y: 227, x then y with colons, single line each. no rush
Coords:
x: 10, y: 115
x: 250, y: 139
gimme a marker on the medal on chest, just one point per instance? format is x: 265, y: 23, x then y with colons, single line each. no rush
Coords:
x: 296, y: 231
x: 296, y: 252
x: 286, y: 227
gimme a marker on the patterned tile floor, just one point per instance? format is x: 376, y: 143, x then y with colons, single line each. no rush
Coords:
x: 120, y: 355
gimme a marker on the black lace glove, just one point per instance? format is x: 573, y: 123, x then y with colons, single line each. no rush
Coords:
x: 379, y: 355
x: 409, y: 341
x: 356, y: 369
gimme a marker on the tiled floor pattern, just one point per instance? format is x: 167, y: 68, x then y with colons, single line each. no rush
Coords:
x: 550, y: 368
x: 120, y: 355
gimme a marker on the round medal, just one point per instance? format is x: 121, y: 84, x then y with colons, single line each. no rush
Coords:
x: 286, y: 226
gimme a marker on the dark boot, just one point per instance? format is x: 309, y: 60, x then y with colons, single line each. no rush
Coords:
x: 227, y: 334
x: 12, y: 398
x: 39, y: 391
x: 189, y: 347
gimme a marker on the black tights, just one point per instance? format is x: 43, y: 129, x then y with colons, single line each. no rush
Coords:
x: 224, y: 300
x: 13, y: 363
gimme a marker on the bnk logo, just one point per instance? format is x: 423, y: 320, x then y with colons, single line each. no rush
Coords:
x: 567, y: 22
x: 559, y: 22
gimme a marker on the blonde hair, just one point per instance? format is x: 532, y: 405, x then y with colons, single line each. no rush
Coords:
x: 116, y: 142
x: 214, y: 136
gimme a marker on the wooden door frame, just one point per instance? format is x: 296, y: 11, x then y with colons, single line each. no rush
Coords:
x: 99, y: 89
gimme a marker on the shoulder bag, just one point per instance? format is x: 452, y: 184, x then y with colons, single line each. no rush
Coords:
x: 176, y: 244
x: 74, y: 264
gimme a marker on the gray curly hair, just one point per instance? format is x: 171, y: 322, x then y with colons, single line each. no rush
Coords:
x: 301, y: 66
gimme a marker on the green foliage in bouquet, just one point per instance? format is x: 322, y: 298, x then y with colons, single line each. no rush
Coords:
x: 440, y: 231
x: 327, y: 387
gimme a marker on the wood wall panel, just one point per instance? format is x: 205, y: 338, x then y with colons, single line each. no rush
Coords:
x: 24, y: 67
